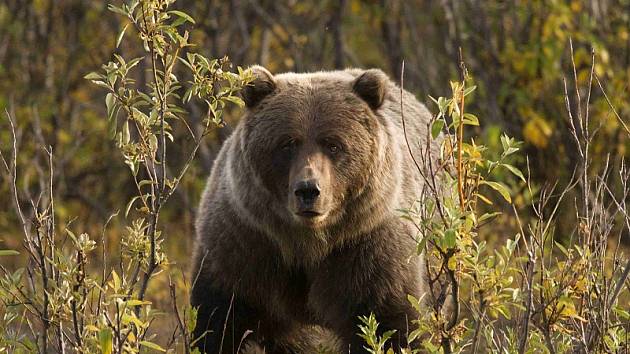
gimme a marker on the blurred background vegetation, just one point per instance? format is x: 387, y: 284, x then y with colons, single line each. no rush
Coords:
x: 516, y: 51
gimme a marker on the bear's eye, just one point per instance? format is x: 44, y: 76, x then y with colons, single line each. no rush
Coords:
x: 333, y: 147
x: 288, y: 145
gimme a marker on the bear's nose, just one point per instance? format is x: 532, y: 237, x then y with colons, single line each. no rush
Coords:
x: 307, y: 191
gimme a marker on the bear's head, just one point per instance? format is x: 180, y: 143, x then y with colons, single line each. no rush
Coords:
x: 313, y: 140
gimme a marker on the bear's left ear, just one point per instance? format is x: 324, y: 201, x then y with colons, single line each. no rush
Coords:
x: 371, y: 86
x: 261, y: 86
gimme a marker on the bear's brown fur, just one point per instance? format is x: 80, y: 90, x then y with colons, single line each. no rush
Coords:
x: 299, y: 229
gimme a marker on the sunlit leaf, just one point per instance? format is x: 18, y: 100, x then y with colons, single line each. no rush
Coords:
x: 121, y: 35
x: 471, y: 119
x: 183, y: 15
x: 469, y: 90
x: 105, y: 340
x: 501, y: 188
x: 436, y: 128
x: 9, y: 253
x: 93, y: 76
x: 450, y: 238
x: 515, y: 171
x: 138, y: 303
x: 117, y: 10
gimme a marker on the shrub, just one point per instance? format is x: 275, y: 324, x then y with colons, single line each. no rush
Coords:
x: 63, y: 303
x: 533, y: 293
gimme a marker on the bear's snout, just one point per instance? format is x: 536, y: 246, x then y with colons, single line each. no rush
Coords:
x: 306, y: 192
x: 309, y: 185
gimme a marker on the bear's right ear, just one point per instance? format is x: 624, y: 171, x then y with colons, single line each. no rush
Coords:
x: 371, y: 86
x: 262, y: 85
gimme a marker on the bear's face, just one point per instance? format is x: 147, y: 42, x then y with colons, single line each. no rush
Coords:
x: 310, y: 141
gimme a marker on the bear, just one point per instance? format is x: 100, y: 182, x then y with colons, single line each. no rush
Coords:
x: 299, y: 230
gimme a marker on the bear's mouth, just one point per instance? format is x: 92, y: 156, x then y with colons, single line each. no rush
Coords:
x: 310, y: 214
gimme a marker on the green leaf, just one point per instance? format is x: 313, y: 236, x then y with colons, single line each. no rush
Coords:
x: 469, y: 90
x: 126, y: 136
x: 183, y: 15
x: 510, y: 245
x: 121, y: 35
x: 133, y: 165
x: 100, y: 83
x: 562, y: 249
x: 421, y: 244
x: 515, y: 171
x: 178, y: 22
x: 501, y: 188
x: 414, y: 302
x: 509, y: 145
x: 152, y: 346
x: 112, y: 128
x: 471, y: 119
x: 191, y: 319
x: 115, y: 280
x: 130, y: 204
x: 72, y: 236
x: 117, y: 10
x: 153, y: 143
x: 9, y: 253
x: 133, y: 62
x: 236, y: 100
x: 452, y: 263
x: 132, y: 5
x: 484, y: 199
x: 110, y: 103
x: 487, y: 216
x: 450, y: 238
x: 132, y: 319
x: 145, y: 182
x: 93, y: 76
x: 622, y: 313
x: 105, y: 340
x: 138, y: 303
x: 436, y: 128
x: 442, y: 103
x: 503, y: 311
x: 505, y: 142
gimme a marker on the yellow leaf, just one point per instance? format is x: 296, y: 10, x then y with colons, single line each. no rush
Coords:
x: 580, y: 285
x: 537, y: 131
x: 566, y: 307
x: 92, y: 328
x: 484, y: 199
x: 452, y: 263
x: 576, y: 6
x: 355, y: 7
x: 106, y: 340
x: 152, y: 346
x: 138, y: 303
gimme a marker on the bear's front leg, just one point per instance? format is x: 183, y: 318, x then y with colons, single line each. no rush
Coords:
x: 227, y: 323
x: 373, y: 276
x: 222, y: 320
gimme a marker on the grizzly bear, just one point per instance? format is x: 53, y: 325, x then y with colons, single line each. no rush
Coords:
x: 299, y: 231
